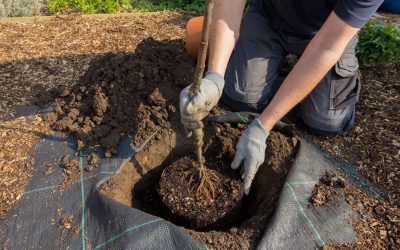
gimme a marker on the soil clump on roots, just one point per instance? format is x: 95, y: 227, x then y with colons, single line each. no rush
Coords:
x: 122, y: 94
x: 198, y: 207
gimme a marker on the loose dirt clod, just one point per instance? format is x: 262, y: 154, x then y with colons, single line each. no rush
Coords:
x: 325, y: 189
x: 94, y: 160
x: 72, y: 171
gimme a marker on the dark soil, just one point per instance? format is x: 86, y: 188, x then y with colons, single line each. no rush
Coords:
x: 201, y: 208
x: 328, y: 186
x: 120, y: 95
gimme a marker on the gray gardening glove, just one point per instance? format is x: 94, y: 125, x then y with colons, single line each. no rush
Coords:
x: 251, y: 150
x: 194, y: 109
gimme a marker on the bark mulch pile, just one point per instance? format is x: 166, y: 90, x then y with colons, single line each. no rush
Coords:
x: 17, y: 139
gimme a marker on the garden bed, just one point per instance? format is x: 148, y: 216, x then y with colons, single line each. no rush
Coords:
x: 33, y: 71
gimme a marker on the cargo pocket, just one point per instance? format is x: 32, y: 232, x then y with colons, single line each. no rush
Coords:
x: 345, y: 84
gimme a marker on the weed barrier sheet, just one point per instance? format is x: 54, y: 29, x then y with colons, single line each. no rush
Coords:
x: 34, y: 222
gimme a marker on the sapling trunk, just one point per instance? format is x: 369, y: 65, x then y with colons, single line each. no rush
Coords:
x: 200, y: 178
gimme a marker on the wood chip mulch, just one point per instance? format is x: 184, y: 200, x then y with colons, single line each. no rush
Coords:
x: 17, y: 139
x: 376, y: 222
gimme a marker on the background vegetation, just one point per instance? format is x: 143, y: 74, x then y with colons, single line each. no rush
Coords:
x: 19, y: 7
x: 110, y: 6
x: 379, y: 44
x: 89, y: 6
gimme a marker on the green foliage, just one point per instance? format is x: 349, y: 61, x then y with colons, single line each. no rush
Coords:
x: 19, y: 8
x: 89, y: 6
x: 158, y: 5
x: 379, y: 44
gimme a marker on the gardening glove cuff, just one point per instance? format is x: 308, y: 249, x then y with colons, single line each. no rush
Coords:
x: 193, y: 109
x: 250, y: 151
x: 217, y: 79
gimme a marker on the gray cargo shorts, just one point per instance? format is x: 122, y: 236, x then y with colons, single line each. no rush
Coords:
x: 252, y: 77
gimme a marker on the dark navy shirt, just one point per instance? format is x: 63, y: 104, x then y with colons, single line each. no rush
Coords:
x: 305, y: 17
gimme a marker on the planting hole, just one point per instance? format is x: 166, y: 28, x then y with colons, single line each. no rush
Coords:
x: 242, y: 225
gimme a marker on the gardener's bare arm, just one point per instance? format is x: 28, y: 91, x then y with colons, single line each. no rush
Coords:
x: 227, y: 15
x: 225, y: 25
x: 319, y: 57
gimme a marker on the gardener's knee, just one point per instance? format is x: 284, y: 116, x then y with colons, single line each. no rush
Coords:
x: 330, y: 107
x: 332, y: 122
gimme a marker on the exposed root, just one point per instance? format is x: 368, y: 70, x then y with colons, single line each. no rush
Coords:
x: 202, y: 180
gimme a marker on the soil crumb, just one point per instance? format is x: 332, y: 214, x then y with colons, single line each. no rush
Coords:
x: 94, y: 160
x: 121, y: 95
x: 72, y: 171
x: 68, y: 223
x: 328, y: 186
x: 196, y: 210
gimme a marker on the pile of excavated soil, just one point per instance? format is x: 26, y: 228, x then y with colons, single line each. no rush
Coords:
x: 121, y: 95
x: 138, y: 182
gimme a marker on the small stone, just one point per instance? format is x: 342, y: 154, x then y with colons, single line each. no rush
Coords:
x: 64, y: 92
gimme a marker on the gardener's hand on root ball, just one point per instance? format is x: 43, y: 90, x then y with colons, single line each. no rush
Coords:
x: 194, y: 109
x: 251, y: 152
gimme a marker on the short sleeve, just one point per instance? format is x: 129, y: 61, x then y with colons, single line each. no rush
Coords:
x: 356, y: 12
